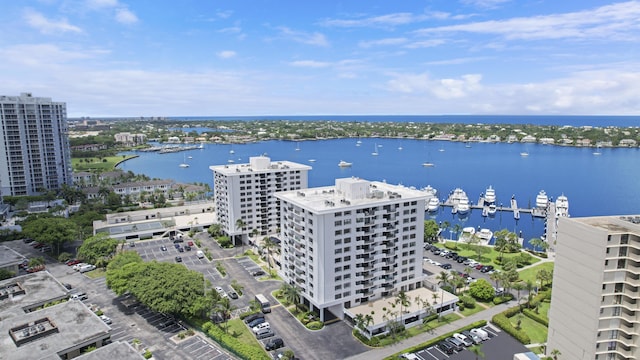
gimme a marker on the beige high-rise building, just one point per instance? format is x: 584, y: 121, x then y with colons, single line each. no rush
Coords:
x: 34, y: 145
x: 594, y: 310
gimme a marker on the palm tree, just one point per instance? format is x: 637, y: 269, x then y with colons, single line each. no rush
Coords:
x: 443, y: 278
x: 254, y: 233
x: 456, y: 230
x: 555, y: 353
x: 291, y: 294
x: 477, y: 351
x: 225, y: 308
x: 240, y: 225
x: 518, y: 287
x: 536, y: 242
x: 403, y: 300
x: 269, y: 245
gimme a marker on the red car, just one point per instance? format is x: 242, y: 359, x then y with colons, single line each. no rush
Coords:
x: 479, y: 266
x: 190, y: 243
x: 35, y: 268
x: 72, y: 262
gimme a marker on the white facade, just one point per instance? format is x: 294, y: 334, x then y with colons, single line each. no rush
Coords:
x: 594, y: 310
x: 245, y: 192
x: 351, y: 243
x: 34, y: 145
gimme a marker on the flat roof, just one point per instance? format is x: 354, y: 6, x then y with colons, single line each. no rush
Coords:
x: 624, y: 223
x: 76, y: 326
x: 117, y: 350
x: 246, y: 168
x: 423, y: 293
x: 329, y: 199
x: 9, y: 257
x: 39, y: 288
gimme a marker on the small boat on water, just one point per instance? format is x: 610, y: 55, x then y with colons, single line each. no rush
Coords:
x: 457, y: 195
x: 189, y: 157
x: 489, y: 195
x: 184, y: 163
x: 542, y: 200
x: 562, y: 206
x: 492, y: 210
x: 312, y: 160
x: 467, y: 233
x: 298, y: 147
x: 343, y: 163
x: 485, y: 234
x: 427, y: 164
x: 375, y: 150
x: 524, y: 153
x: 433, y: 205
x: 431, y: 192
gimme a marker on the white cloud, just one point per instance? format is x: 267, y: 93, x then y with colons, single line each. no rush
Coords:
x: 382, y: 20
x: 226, y: 54
x: 425, y: 44
x: 125, y: 16
x: 485, y: 3
x: 440, y: 88
x: 315, y: 38
x: 382, y: 42
x: 310, y: 64
x: 102, y: 3
x: 46, y: 26
x: 42, y: 55
x: 611, y: 21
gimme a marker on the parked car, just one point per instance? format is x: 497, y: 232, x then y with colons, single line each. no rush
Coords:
x: 132, y: 244
x: 38, y: 245
x: 446, y: 347
x: 258, y: 273
x: 178, y: 259
x: 461, y: 259
x: 163, y: 248
x: 261, y: 326
x: 481, y: 333
x: 475, y: 338
x: 87, y: 268
x: 463, y: 339
x: 199, y: 254
x: 187, y: 248
x: 24, y: 264
x: 178, y: 240
x: 180, y: 249
x: 77, y: 266
x: 446, y: 266
x: 264, y: 335
x: 233, y: 294
x: 273, y: 344
x: 255, y: 322
x: 252, y: 317
x: 457, y: 344
x: 486, y: 268
x: 36, y: 268
x: 27, y: 240
x: 67, y: 286
x: 190, y: 243
x: 72, y: 262
x: 79, y: 296
x: 106, y: 319
x: 479, y: 266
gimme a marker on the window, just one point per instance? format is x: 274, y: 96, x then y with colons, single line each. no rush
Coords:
x: 337, y: 242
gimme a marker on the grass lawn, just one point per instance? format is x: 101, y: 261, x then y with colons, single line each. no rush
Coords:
x: 536, y: 331
x: 107, y: 163
x: 94, y: 274
x: 476, y: 309
x: 487, y: 258
x: 240, y: 331
x: 530, y: 273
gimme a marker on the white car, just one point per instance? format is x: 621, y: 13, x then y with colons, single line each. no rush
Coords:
x: 481, y: 333
x: 106, y: 319
x: 77, y: 267
x: 221, y: 291
x: 465, y: 340
x: 258, y: 328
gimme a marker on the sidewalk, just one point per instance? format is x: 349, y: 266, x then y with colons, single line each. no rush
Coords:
x: 381, y: 353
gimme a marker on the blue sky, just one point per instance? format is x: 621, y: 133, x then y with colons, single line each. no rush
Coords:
x: 285, y: 57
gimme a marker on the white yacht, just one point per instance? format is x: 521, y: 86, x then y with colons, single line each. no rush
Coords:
x: 184, y: 163
x: 562, y: 206
x: 492, y: 210
x: 312, y: 160
x: 375, y: 150
x: 431, y: 192
x: 343, y: 163
x: 467, y: 233
x: 524, y: 153
x: 463, y: 205
x: 433, y: 205
x: 427, y: 164
x: 489, y: 195
x: 457, y: 195
x: 485, y: 234
x: 542, y: 200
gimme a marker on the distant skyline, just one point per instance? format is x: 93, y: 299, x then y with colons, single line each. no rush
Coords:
x: 284, y: 57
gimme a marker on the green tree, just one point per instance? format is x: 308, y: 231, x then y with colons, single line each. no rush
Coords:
x: 403, y: 300
x: 96, y: 247
x: 555, y: 353
x: 240, y: 225
x: 215, y: 230
x: 536, y: 243
x: 477, y: 351
x: 291, y: 294
x: 163, y: 287
x: 443, y: 278
x: 224, y: 308
x: 255, y: 233
x: 481, y: 290
x: 6, y: 274
x: 123, y: 259
x: 53, y: 231
x: 430, y: 231
x: 269, y: 245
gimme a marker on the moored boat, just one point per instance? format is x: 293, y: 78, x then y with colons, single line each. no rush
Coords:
x: 490, y: 195
x: 433, y: 205
x: 562, y: 206
x: 492, y: 210
x: 485, y: 234
x: 343, y: 163
x: 542, y: 200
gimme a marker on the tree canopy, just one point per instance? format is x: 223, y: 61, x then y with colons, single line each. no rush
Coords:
x: 481, y: 290
x: 430, y: 230
x: 163, y: 287
x: 97, y: 247
x: 53, y: 231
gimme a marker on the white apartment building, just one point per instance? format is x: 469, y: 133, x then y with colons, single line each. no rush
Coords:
x: 351, y: 243
x: 34, y: 146
x: 245, y: 192
x: 594, y: 311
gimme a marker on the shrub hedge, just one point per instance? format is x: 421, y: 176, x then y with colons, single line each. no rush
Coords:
x: 232, y: 344
x: 503, y: 322
x: 315, y: 325
x: 502, y: 299
x: 373, y: 342
x: 536, y: 317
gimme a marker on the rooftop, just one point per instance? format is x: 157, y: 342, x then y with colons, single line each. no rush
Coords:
x: 22, y: 293
x: 65, y: 326
x: 423, y: 293
x: 9, y: 257
x: 258, y: 164
x: 350, y: 193
x: 619, y: 224
x: 117, y: 350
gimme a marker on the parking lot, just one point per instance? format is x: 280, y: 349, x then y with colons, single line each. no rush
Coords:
x: 499, y: 346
